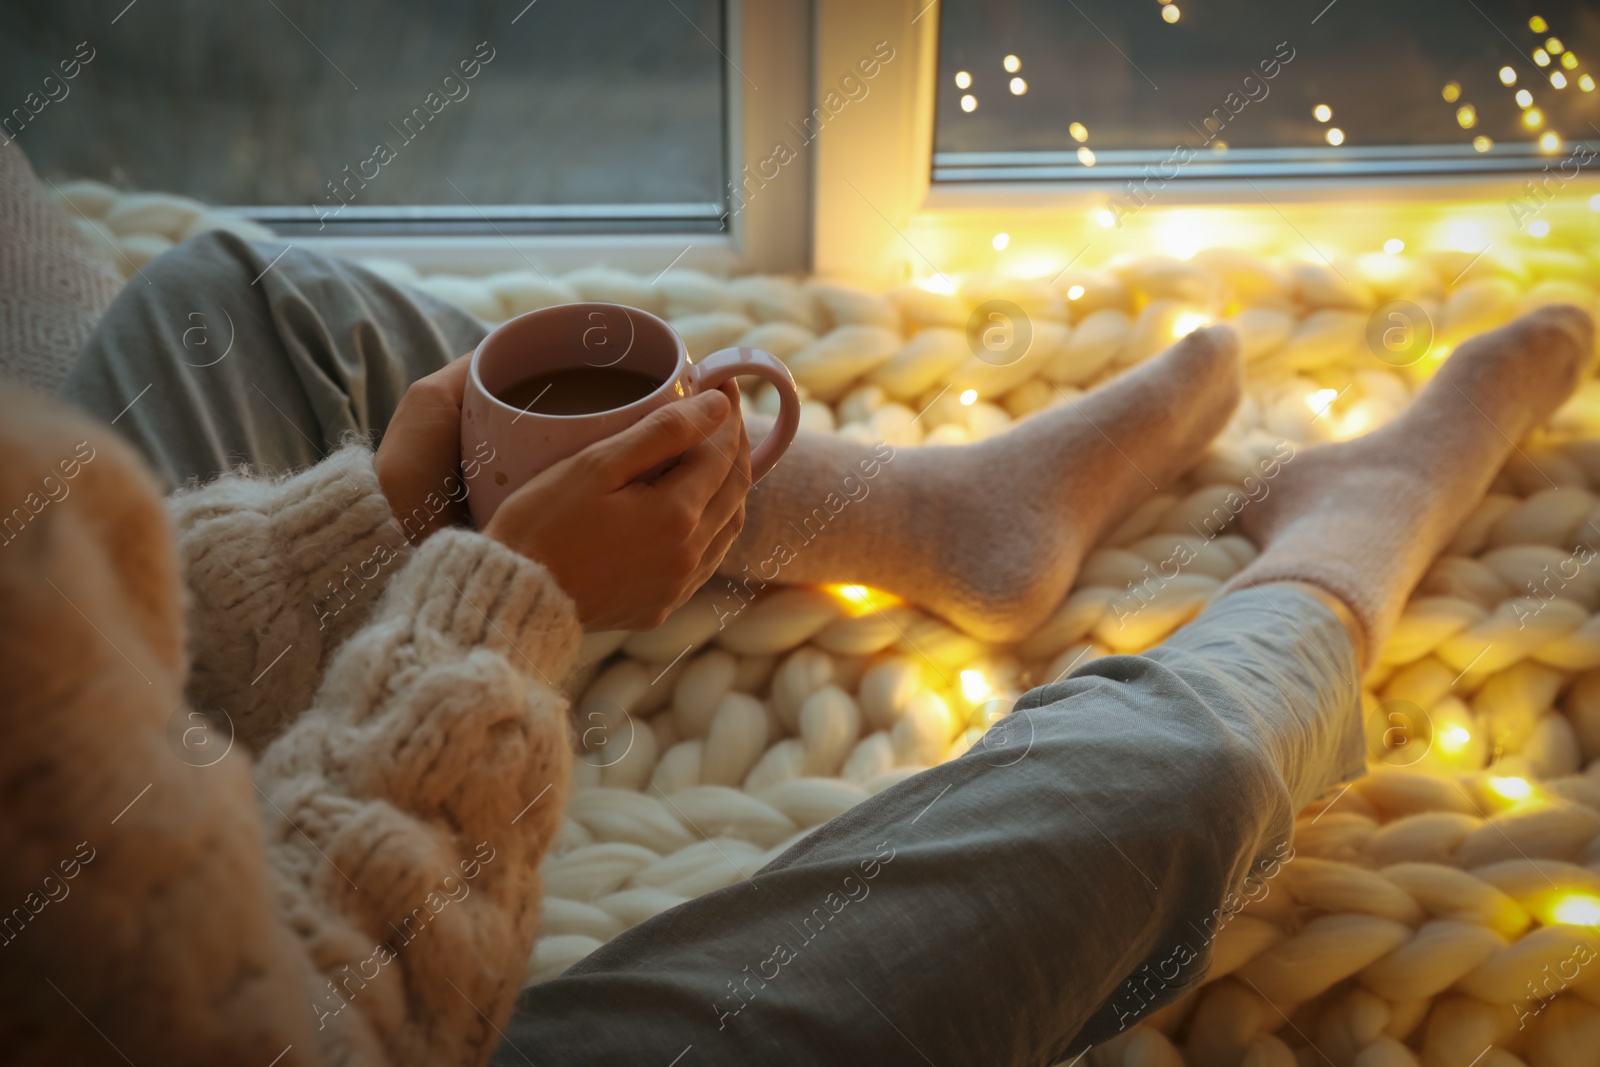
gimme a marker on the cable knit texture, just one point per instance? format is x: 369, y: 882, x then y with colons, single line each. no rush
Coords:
x: 55, y: 283
x: 404, y: 839
x: 370, y: 893
x: 280, y: 572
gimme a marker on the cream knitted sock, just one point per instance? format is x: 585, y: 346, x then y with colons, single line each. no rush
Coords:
x: 989, y: 535
x: 1363, y: 519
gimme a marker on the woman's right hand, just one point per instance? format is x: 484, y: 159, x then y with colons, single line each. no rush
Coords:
x: 626, y: 551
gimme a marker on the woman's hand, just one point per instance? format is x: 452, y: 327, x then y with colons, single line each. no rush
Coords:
x: 419, y: 459
x: 628, y: 552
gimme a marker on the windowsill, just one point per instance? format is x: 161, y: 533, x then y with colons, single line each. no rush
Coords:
x: 1181, y: 192
x: 645, y: 254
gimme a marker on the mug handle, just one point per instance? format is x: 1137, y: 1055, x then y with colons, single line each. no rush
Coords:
x: 718, y: 367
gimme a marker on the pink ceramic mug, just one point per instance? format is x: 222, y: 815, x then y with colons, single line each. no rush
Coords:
x: 504, y: 446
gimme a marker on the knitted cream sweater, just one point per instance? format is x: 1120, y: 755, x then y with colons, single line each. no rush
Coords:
x: 367, y: 891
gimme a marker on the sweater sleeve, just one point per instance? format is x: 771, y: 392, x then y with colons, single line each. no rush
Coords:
x: 279, y: 572
x: 407, y: 810
x: 135, y: 878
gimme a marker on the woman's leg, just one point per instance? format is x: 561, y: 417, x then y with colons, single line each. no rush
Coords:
x: 1068, y: 874
x: 224, y: 352
x: 1036, y: 895
x: 990, y: 535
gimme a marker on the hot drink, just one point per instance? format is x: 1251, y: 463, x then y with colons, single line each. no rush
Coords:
x: 578, y: 390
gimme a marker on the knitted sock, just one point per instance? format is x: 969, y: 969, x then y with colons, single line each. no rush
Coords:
x: 1363, y: 519
x: 990, y: 535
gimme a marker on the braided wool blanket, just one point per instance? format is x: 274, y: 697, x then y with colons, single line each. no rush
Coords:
x: 1443, y: 910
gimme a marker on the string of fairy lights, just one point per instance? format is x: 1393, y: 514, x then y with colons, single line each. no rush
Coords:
x: 1559, y: 64
x: 1019, y: 86
x: 1551, y: 56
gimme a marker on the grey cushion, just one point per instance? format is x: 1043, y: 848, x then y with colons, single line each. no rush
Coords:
x: 55, y: 280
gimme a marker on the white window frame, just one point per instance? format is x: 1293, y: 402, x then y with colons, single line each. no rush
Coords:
x: 857, y: 202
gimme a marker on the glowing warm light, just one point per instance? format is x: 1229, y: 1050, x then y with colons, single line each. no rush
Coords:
x: 1019, y: 86
x: 1000, y: 241
x: 1464, y: 233
x: 1570, y: 60
x: 1079, y: 131
x: 1219, y: 147
x: 1482, y: 144
x: 1077, y: 291
x: 1335, y: 136
x: 1466, y: 116
x: 975, y: 687
x: 1455, y: 738
x: 1188, y: 322
x: 1039, y: 265
x: 969, y: 103
x: 1183, y: 233
x: 1451, y: 92
x: 1541, y: 57
x: 1512, y: 788
x: 1550, y: 141
x: 1086, y: 156
x: 964, y: 80
x: 1171, y: 13
x: 942, y: 284
x: 1586, y: 83
x: 1322, y: 112
x: 1539, y: 228
x: 1394, y: 246
x: 1578, y: 909
x: 1012, y: 64
x: 1508, y: 76
x: 1559, y: 80
x: 1524, y: 98
x: 968, y: 397
x: 861, y: 598
x: 1357, y: 422
x: 1537, y: 24
x: 1318, y: 401
x: 1105, y: 218
x: 1533, y: 117
x: 1555, y: 46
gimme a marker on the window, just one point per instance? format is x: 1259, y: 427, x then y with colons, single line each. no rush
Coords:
x: 1112, y: 90
x: 472, y: 116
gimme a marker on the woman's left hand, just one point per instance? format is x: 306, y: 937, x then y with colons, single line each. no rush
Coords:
x: 419, y: 459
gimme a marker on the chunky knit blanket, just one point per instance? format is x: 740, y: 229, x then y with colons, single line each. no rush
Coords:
x: 1444, y: 910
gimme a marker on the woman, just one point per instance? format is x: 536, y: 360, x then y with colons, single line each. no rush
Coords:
x: 1001, y: 909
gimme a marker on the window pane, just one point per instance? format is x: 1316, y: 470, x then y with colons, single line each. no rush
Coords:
x: 453, y: 105
x: 1419, y: 86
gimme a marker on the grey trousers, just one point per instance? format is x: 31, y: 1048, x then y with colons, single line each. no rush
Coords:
x: 222, y: 352
x: 1018, y: 905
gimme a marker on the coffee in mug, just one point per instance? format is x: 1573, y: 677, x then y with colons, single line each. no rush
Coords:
x: 549, y: 383
x: 579, y: 390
